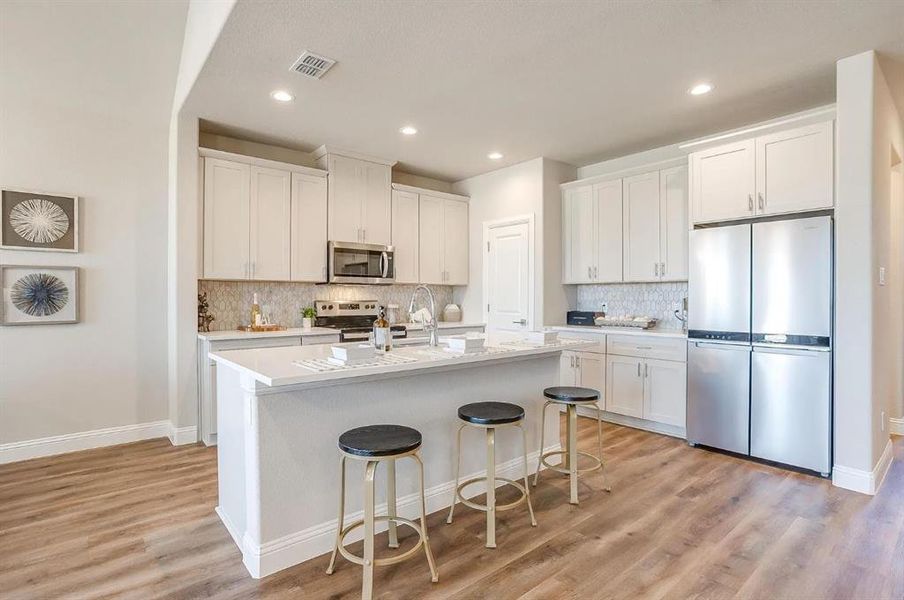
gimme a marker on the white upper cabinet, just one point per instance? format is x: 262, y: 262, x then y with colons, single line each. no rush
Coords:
x: 308, y: 256
x: 673, y: 225
x: 405, y: 235
x: 785, y: 172
x: 794, y: 170
x: 641, y: 227
x: 609, y: 241
x: 580, y: 234
x: 271, y: 191
x: 443, y: 241
x: 723, y: 182
x: 227, y: 187
x: 360, y: 199
x: 263, y: 222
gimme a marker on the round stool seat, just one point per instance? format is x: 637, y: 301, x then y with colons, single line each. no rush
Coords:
x: 380, y: 440
x: 571, y: 395
x: 490, y: 413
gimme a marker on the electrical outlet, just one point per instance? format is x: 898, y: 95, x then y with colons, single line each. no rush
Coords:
x: 882, y: 419
x: 881, y: 275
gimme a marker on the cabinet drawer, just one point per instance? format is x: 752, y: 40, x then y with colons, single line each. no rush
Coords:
x: 273, y: 342
x: 598, y: 340
x: 648, y: 347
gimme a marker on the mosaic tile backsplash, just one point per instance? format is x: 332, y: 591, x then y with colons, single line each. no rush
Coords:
x: 657, y: 300
x: 230, y: 301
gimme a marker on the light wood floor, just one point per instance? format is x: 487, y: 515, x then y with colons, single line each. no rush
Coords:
x: 137, y: 521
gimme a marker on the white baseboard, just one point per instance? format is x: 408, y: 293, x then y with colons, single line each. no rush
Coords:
x: 183, y: 435
x: 896, y: 425
x: 865, y: 482
x: 85, y: 440
x: 273, y: 556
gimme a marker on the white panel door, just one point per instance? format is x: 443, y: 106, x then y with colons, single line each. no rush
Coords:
x: 665, y: 392
x: 723, y: 182
x: 624, y: 385
x: 509, y: 289
x: 405, y: 235
x: 455, y: 245
x: 376, y: 213
x: 271, y: 220
x: 641, y: 227
x: 794, y: 170
x: 673, y: 225
x: 430, y: 240
x: 581, y: 233
x: 593, y: 373
x: 609, y: 231
x: 227, y: 188
x: 568, y: 372
x: 309, y: 200
x: 345, y: 195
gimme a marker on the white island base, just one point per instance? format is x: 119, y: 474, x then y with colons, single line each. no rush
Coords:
x: 279, y: 424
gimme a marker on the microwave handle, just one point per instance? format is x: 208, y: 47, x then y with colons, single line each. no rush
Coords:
x: 384, y: 264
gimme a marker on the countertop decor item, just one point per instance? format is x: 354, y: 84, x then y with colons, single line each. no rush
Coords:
x: 308, y: 314
x: 204, y: 316
x: 258, y: 328
x: 35, y: 295
x: 38, y: 221
x: 626, y: 321
x: 452, y: 312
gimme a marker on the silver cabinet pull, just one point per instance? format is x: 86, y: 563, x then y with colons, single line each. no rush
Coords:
x: 646, y: 370
x: 762, y: 201
x: 596, y: 273
x: 577, y: 360
x: 656, y: 269
x: 571, y: 357
x: 589, y: 272
x: 662, y: 269
x: 750, y: 202
x: 638, y: 369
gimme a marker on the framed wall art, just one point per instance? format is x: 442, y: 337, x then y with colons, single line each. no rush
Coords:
x: 38, y: 221
x: 36, y: 295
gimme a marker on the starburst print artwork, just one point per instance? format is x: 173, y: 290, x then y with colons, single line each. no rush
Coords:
x: 39, y: 294
x: 38, y: 220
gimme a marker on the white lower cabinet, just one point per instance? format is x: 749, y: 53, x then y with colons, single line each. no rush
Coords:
x: 584, y: 369
x: 645, y: 388
x: 625, y: 393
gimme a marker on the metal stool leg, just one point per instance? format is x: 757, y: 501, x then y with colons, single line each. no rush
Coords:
x: 391, y: 508
x: 572, y: 455
x: 491, y: 487
x: 329, y: 569
x: 434, y: 576
x: 542, y: 440
x: 530, y: 508
x: 367, y: 584
x: 457, y: 469
x: 599, y: 441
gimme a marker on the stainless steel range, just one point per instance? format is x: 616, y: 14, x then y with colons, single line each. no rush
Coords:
x: 353, y: 318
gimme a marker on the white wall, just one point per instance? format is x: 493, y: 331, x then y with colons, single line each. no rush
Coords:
x: 87, y: 114
x: 868, y: 347
x: 558, y: 299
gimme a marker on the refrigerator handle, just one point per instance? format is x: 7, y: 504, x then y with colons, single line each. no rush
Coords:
x: 717, y: 346
x: 796, y: 351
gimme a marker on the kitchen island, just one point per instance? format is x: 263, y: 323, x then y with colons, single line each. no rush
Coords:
x: 280, y: 412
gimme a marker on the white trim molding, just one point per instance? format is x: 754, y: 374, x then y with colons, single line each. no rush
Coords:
x: 896, y: 425
x: 292, y: 549
x: 84, y: 440
x: 865, y: 482
x: 179, y: 436
x: 527, y: 219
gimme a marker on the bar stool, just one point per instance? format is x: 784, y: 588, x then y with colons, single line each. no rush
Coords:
x: 571, y: 398
x: 489, y: 416
x: 375, y: 444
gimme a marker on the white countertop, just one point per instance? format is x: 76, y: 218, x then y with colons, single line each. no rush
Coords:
x: 656, y: 331
x: 230, y: 334
x: 276, y: 366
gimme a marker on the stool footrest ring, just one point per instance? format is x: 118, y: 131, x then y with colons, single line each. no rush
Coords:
x: 358, y: 560
x: 483, y: 507
x: 560, y: 469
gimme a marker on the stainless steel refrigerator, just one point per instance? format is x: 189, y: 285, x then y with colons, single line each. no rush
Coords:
x: 760, y: 340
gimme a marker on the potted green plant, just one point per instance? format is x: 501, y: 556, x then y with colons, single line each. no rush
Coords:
x: 307, y: 317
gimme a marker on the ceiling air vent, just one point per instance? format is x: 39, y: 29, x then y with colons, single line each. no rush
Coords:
x: 312, y: 65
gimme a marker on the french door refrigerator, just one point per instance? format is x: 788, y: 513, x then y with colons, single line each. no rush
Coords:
x: 759, y: 340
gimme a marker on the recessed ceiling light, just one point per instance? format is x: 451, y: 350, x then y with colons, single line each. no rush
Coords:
x: 494, y: 155
x: 700, y: 89
x: 282, y: 96
x: 408, y: 130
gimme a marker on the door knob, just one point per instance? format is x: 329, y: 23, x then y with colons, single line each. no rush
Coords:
x: 520, y: 322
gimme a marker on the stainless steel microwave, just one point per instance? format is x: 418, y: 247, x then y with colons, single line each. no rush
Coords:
x: 361, y: 263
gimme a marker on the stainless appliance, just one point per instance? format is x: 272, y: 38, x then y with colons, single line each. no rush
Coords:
x: 760, y: 340
x: 361, y: 263
x: 353, y: 318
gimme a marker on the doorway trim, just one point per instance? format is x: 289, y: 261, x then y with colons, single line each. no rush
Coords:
x: 531, y: 260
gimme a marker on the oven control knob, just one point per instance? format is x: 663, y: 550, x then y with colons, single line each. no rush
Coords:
x: 330, y: 307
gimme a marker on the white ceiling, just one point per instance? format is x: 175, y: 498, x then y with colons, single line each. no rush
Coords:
x: 576, y: 81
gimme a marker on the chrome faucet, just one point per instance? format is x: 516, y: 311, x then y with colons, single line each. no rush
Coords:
x: 430, y: 326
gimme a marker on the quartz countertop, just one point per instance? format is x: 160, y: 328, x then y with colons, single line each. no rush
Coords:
x: 230, y: 334
x: 655, y: 331
x: 276, y: 367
